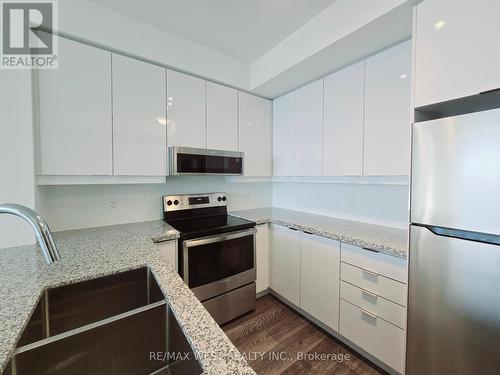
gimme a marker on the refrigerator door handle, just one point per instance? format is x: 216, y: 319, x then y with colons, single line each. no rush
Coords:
x: 487, y: 238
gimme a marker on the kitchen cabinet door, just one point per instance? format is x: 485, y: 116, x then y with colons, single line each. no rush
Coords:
x: 284, y: 135
x: 139, y: 118
x: 457, y: 50
x: 222, y: 117
x: 255, y: 134
x: 383, y: 340
x: 186, y: 110
x: 388, y: 112
x: 309, y: 130
x: 285, y: 263
x: 74, y: 112
x: 319, y: 280
x: 344, y: 94
x: 262, y: 246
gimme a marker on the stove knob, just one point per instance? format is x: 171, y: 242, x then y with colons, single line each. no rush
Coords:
x: 224, y: 199
x: 176, y: 202
x: 219, y: 199
x: 169, y: 203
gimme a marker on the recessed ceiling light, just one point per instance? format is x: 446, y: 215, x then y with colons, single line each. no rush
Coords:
x: 162, y: 120
x: 403, y: 76
x: 439, y: 25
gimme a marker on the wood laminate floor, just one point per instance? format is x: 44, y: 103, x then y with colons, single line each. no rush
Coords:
x: 276, y: 340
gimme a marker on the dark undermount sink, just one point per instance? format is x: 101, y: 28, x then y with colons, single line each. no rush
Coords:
x: 113, y: 325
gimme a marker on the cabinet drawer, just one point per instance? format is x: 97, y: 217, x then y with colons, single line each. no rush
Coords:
x: 387, y: 310
x: 373, y: 334
x: 382, y: 264
x: 375, y: 283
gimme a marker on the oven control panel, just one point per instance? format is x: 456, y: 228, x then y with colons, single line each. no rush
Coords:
x: 190, y: 201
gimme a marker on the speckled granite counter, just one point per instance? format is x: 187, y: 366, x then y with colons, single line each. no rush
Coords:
x: 387, y: 240
x: 95, y: 252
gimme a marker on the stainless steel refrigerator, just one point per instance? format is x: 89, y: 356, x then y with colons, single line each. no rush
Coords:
x: 454, y: 262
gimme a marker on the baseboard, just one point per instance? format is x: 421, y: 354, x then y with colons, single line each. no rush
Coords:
x: 263, y: 293
x: 333, y: 333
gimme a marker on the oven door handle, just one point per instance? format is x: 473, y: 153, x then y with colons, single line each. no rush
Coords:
x: 219, y: 237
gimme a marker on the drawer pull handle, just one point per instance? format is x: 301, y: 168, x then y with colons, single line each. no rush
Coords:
x: 371, y: 273
x: 371, y: 294
x: 372, y: 250
x: 369, y: 314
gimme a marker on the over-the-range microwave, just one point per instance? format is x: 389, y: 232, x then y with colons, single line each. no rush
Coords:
x: 200, y: 161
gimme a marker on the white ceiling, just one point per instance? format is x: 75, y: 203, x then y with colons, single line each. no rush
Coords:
x: 241, y: 29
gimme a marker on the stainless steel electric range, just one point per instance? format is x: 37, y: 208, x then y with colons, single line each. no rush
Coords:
x: 216, y: 253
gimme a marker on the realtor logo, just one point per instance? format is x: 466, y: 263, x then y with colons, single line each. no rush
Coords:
x: 24, y: 44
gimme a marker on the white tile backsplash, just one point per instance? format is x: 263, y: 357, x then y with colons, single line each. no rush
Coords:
x: 72, y: 207
x: 371, y: 203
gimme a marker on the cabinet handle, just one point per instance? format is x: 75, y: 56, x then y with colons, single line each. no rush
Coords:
x: 371, y: 294
x: 372, y: 250
x: 292, y: 228
x: 367, y: 313
x: 372, y: 273
x: 311, y: 233
x: 489, y: 91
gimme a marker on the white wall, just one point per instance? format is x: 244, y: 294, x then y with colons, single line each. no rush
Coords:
x: 16, y: 154
x: 71, y: 207
x: 378, y: 204
x: 90, y: 21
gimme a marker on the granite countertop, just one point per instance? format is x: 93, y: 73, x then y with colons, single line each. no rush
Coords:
x: 387, y: 240
x: 95, y: 252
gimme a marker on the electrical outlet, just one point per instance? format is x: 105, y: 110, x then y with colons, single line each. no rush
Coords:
x: 351, y: 202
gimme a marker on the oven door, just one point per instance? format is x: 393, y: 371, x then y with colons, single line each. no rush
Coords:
x: 218, y: 264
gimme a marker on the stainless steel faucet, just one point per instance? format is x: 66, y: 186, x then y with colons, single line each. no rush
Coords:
x: 42, y: 231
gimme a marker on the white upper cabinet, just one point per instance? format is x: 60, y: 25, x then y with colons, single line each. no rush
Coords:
x: 75, y: 130
x: 222, y: 117
x: 139, y: 118
x: 186, y: 111
x: 309, y: 129
x: 255, y: 134
x: 388, y: 112
x: 284, y: 135
x: 343, y: 122
x: 457, y: 49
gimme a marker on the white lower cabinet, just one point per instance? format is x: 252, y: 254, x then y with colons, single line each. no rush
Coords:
x: 378, y: 337
x: 373, y: 294
x: 358, y: 293
x: 262, y: 255
x: 369, y: 301
x: 168, y: 251
x: 374, y: 283
x: 319, y: 278
x: 285, y: 263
